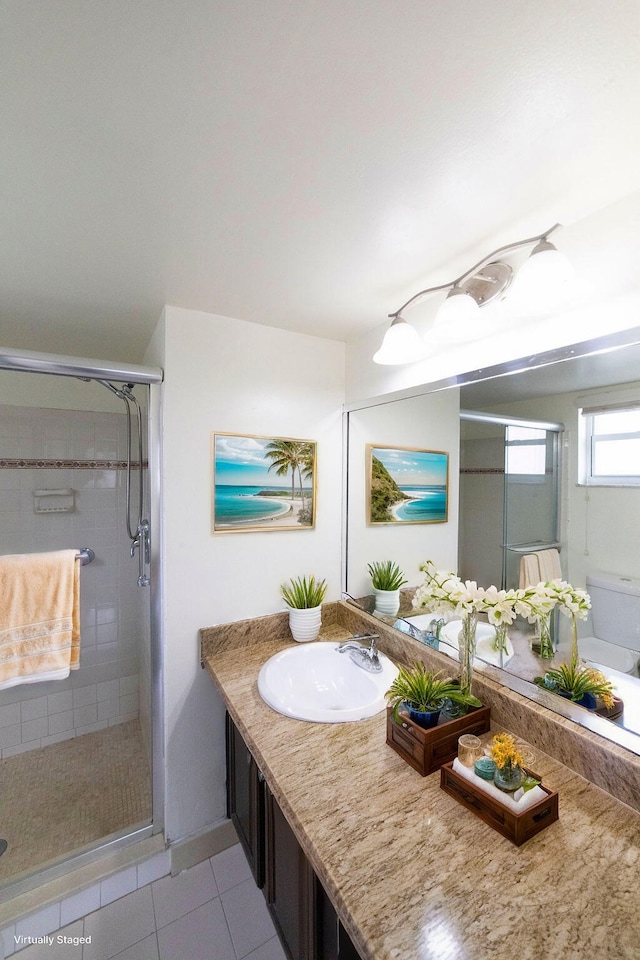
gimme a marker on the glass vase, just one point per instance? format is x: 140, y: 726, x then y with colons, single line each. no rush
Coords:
x: 546, y: 644
x: 501, y: 641
x: 575, y: 656
x: 467, y: 650
x: 508, y: 777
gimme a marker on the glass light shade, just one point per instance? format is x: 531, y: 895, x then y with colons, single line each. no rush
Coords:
x: 458, y: 318
x: 543, y: 280
x: 402, y: 344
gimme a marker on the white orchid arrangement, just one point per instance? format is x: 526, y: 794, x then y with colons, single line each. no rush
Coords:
x: 443, y: 591
x: 571, y: 601
x: 500, y: 606
x: 538, y: 601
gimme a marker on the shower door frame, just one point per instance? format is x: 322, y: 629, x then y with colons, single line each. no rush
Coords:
x: 556, y: 430
x: 59, y: 365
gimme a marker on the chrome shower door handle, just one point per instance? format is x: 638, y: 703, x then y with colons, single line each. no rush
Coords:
x: 143, y: 543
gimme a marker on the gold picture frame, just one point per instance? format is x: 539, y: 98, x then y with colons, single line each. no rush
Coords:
x: 406, y: 485
x: 262, y: 483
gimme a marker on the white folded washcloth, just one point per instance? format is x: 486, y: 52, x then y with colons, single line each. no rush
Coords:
x: 518, y: 806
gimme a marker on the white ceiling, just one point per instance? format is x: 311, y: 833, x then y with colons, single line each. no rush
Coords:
x: 307, y: 164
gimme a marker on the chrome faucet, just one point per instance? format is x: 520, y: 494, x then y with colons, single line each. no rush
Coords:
x: 430, y: 636
x: 362, y: 656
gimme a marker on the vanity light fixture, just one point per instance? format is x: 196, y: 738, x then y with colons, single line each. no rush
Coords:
x: 402, y: 344
x: 487, y: 281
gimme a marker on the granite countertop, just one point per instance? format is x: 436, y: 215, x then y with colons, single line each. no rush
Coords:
x: 412, y: 873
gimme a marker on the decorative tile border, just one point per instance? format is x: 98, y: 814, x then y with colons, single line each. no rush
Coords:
x: 24, y: 464
x: 499, y: 470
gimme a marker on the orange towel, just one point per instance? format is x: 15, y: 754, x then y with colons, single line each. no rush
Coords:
x: 39, y: 616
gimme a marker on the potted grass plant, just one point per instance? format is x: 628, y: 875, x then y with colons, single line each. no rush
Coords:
x: 386, y: 579
x: 304, y: 596
x: 423, y: 694
x: 580, y: 683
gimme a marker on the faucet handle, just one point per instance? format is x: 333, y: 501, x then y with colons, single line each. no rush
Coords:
x: 373, y: 650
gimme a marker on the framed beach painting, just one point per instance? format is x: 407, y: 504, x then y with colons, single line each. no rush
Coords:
x: 262, y: 483
x: 406, y: 485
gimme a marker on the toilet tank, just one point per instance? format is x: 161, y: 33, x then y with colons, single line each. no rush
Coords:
x: 615, y: 608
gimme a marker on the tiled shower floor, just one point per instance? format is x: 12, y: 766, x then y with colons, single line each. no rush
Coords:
x: 59, y: 799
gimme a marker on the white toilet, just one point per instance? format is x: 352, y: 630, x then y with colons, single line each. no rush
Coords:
x: 615, y: 619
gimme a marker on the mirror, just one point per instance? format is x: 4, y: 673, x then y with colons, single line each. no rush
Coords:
x: 595, y: 526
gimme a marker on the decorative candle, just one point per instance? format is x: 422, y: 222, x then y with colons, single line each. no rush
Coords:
x: 469, y: 749
x: 485, y: 767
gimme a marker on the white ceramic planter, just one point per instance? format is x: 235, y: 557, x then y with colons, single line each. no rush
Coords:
x: 305, y: 623
x: 387, y: 601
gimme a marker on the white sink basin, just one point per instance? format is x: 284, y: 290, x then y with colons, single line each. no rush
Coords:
x: 485, y: 638
x: 312, y: 681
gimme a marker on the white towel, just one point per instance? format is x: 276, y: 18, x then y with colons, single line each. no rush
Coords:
x: 529, y: 570
x: 549, y: 561
x: 518, y: 806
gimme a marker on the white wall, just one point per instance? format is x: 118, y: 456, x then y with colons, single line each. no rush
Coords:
x: 232, y: 376
x: 429, y: 423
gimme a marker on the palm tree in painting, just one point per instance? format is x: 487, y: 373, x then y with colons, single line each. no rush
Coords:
x: 305, y: 472
x: 284, y: 456
x: 291, y: 455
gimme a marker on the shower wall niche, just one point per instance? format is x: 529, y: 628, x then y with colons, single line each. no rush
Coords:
x: 83, y: 451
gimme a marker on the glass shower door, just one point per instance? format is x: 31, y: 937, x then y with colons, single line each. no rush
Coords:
x: 530, y: 496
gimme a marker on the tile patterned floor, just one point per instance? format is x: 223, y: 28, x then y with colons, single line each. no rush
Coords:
x: 58, y: 799
x: 213, y: 911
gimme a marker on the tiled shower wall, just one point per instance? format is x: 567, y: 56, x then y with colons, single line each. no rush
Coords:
x: 482, y: 509
x: 82, y: 450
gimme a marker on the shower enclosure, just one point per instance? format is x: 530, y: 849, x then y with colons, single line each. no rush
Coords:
x: 80, y: 759
x: 509, y: 494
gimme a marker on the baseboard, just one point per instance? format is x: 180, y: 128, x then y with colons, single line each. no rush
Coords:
x: 186, y: 853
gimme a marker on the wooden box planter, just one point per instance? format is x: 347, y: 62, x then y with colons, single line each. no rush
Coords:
x: 427, y: 750
x: 517, y: 827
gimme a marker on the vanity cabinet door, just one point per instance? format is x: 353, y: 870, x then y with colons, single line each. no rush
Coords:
x: 305, y: 918
x: 332, y: 942
x: 289, y: 886
x: 245, y: 800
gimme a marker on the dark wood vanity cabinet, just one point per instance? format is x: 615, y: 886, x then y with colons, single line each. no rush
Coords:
x: 289, y: 888
x: 305, y: 918
x: 246, y: 800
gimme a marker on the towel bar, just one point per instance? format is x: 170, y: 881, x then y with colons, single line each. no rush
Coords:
x: 532, y: 547
x: 85, y: 556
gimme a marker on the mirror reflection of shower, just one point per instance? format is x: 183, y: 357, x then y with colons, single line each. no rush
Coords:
x: 509, y: 494
x: 138, y: 530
